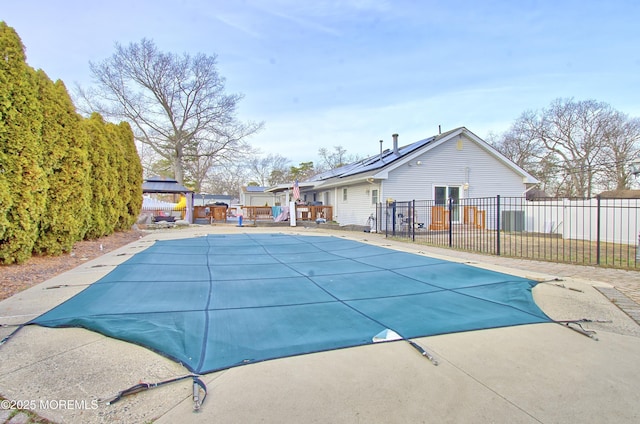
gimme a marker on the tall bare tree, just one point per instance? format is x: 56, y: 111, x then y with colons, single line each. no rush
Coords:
x: 227, y: 179
x: 176, y: 104
x: 332, y: 160
x: 517, y: 145
x: 201, y: 168
x: 263, y: 167
x: 622, y: 145
x: 574, y: 147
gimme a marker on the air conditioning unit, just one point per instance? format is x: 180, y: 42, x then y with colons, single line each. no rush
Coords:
x: 512, y: 220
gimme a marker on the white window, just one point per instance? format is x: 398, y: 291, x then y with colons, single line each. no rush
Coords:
x: 344, y: 194
x: 374, y: 197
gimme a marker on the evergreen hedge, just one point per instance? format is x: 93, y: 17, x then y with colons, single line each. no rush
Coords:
x: 64, y: 220
x: 63, y: 178
x: 131, y: 174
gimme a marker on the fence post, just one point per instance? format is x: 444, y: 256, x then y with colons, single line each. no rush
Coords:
x: 450, y: 221
x: 598, y: 229
x: 413, y: 219
x: 498, y: 225
x: 638, y: 251
x: 393, y: 218
x: 386, y: 217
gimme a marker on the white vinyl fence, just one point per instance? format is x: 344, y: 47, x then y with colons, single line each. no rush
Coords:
x: 612, y: 220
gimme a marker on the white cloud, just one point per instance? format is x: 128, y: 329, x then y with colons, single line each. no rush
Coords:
x: 238, y: 22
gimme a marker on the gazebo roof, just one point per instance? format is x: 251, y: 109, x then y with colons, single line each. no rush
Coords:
x: 159, y: 184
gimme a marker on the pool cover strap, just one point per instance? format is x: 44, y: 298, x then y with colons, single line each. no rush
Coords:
x: 141, y: 387
x: 6, y: 339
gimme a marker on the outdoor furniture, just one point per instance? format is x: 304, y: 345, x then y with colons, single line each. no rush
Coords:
x: 472, y: 216
x: 219, y: 213
x: 161, y: 216
x: 439, y: 218
x: 202, y: 213
x: 303, y: 213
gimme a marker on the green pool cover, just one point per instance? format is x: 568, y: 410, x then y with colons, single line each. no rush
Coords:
x: 221, y: 301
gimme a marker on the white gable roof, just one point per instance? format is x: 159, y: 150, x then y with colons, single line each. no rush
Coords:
x: 378, y: 167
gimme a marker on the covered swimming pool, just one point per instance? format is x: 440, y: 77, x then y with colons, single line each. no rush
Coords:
x: 221, y: 301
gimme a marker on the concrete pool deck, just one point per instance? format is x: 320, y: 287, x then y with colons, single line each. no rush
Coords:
x: 530, y: 374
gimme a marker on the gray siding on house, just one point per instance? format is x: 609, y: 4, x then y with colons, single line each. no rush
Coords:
x: 453, y: 163
x: 257, y: 199
x: 357, y: 208
x: 488, y: 176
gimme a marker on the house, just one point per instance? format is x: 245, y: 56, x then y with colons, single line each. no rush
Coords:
x: 456, y: 164
x: 256, y: 196
x: 202, y: 199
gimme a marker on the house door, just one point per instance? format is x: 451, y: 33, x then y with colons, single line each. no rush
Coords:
x: 442, y: 194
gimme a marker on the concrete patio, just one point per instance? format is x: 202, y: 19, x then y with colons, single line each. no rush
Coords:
x: 543, y: 373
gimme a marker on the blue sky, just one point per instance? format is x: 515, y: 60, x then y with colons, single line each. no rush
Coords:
x: 328, y: 72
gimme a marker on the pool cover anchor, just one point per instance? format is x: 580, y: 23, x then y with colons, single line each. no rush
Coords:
x: 197, y: 401
x: 562, y: 286
x: 423, y: 352
x: 141, y: 387
x: 581, y: 330
x: 388, y: 335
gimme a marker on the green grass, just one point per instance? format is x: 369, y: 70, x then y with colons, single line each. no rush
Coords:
x: 534, y: 246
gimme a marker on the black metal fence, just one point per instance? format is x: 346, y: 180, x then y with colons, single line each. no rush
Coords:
x: 604, y: 232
